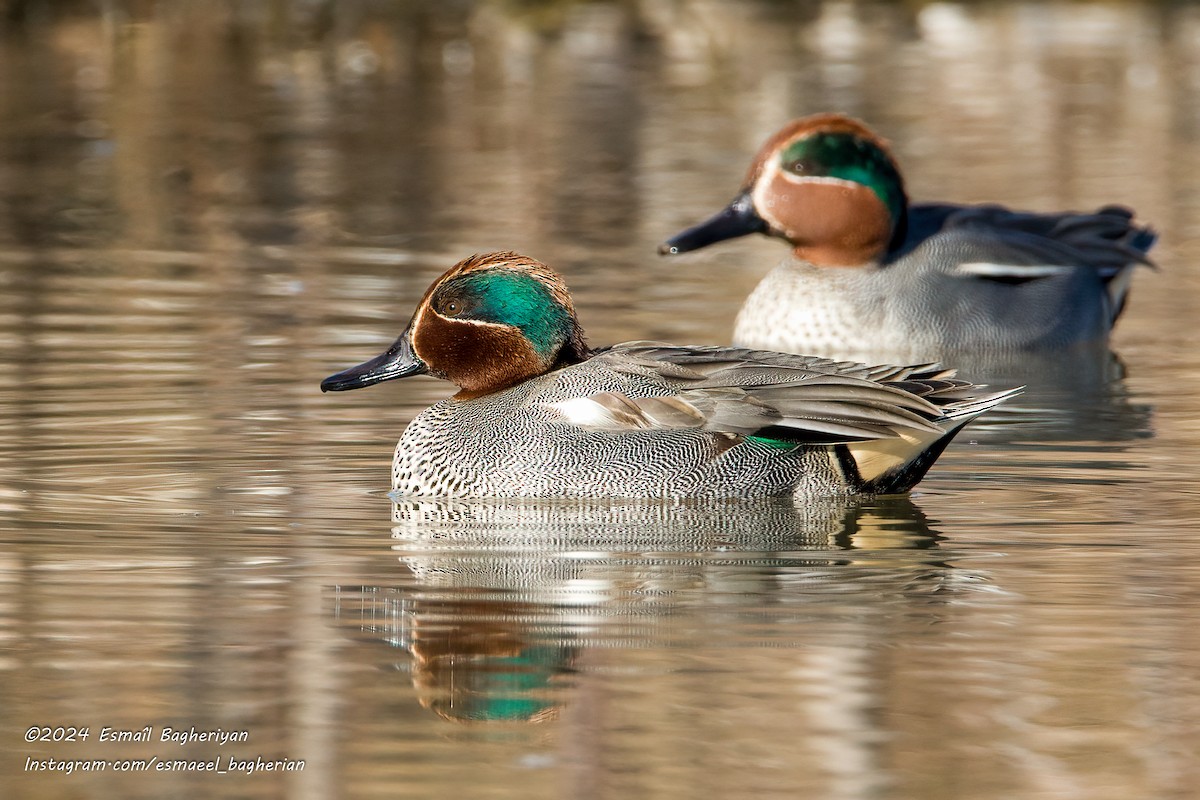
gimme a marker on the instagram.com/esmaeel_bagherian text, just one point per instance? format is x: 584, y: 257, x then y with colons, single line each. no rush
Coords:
x: 222, y: 765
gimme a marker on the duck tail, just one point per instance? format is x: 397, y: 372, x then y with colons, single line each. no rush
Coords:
x: 895, y: 465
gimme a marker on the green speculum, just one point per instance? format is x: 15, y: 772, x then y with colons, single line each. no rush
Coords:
x: 776, y: 444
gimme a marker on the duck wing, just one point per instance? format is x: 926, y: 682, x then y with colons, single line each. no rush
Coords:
x: 1023, y: 246
x: 775, y: 396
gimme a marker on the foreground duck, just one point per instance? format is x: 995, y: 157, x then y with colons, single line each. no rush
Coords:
x: 871, y: 273
x: 540, y: 414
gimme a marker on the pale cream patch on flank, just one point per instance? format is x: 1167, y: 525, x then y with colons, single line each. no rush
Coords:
x: 616, y: 411
x: 878, y: 457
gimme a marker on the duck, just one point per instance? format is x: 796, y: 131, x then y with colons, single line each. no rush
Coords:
x: 540, y: 414
x: 871, y: 273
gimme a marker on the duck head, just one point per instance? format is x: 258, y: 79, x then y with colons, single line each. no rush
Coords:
x: 826, y: 184
x: 491, y: 322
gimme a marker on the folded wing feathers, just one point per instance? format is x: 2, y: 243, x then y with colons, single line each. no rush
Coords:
x: 971, y: 406
x: 1106, y: 240
x: 870, y: 413
x: 837, y: 406
x: 850, y: 400
x: 707, y: 361
x: 942, y: 389
x: 743, y: 392
x: 670, y: 412
x: 717, y: 366
x: 886, y: 373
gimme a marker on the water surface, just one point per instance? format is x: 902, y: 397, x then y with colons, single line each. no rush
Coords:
x: 204, y: 213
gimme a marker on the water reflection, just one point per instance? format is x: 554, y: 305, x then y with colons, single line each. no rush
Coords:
x: 472, y: 660
x: 1080, y: 396
x: 204, y: 206
x: 502, y: 602
x: 576, y: 551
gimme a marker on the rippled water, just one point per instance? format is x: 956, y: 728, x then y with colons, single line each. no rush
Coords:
x: 203, y: 213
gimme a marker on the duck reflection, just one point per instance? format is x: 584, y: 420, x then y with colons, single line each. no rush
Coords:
x: 1076, y: 396
x: 506, y: 601
x: 582, y: 552
x: 473, y: 660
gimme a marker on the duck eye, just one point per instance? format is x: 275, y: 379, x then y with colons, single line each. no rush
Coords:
x: 452, y: 307
x: 800, y: 166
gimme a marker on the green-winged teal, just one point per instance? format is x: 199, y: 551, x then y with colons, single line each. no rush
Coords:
x: 540, y: 414
x: 871, y: 273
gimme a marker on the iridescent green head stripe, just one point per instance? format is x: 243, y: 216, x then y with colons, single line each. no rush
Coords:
x: 851, y: 157
x: 513, y: 297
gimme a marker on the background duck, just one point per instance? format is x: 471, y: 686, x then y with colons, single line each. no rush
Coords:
x: 541, y: 414
x: 871, y: 273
